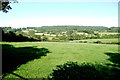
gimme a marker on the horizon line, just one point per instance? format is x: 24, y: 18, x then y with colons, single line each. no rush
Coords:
x: 56, y: 25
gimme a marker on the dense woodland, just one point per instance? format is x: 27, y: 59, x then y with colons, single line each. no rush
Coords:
x: 58, y: 33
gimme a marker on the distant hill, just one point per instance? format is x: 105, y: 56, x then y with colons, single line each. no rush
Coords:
x: 66, y: 28
x: 87, y: 29
x: 57, y: 33
x: 69, y: 28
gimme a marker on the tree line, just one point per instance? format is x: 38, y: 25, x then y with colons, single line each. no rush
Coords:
x: 12, y: 37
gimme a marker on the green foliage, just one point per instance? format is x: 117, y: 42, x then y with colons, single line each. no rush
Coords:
x: 82, y: 41
x: 6, y: 5
x: 98, y: 42
x: 113, y: 29
x: 85, y: 71
x: 115, y: 58
x: 110, y: 36
x: 12, y: 37
x: 69, y: 32
x: 63, y: 33
x: 31, y: 32
x: 70, y: 29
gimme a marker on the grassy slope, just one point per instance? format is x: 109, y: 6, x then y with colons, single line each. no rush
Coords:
x: 60, y: 53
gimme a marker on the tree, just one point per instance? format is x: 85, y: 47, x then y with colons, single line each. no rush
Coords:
x: 84, y: 71
x: 5, y: 5
x: 69, y: 32
x: 31, y: 32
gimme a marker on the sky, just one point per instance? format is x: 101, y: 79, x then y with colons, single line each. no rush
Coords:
x: 36, y: 13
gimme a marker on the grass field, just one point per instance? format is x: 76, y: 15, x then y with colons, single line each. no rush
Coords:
x: 102, y: 40
x: 60, y: 53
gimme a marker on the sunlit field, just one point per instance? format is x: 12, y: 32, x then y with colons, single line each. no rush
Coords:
x: 102, y: 40
x: 59, y: 53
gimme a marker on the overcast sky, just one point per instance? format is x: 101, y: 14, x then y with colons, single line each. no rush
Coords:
x: 29, y: 13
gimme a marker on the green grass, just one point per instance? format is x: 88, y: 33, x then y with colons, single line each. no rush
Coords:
x: 102, y: 40
x: 61, y: 53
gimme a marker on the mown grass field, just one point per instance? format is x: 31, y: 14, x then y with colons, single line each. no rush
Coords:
x: 60, y: 53
x: 102, y: 40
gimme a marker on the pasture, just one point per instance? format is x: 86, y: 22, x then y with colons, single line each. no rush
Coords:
x: 58, y: 53
x: 102, y: 40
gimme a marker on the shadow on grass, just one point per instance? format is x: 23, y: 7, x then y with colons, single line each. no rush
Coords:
x: 13, y: 57
x: 88, y: 71
x: 114, y: 58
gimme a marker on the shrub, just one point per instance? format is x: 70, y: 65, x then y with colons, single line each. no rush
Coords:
x: 82, y: 41
x: 97, y: 42
x: 85, y: 41
x: 85, y: 71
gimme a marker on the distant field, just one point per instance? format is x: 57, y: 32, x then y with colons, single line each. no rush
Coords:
x: 60, y: 53
x: 102, y: 40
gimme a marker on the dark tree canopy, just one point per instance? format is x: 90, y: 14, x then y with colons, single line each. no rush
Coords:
x: 85, y: 71
x: 5, y: 5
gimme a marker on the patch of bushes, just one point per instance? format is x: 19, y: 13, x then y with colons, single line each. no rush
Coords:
x: 82, y: 41
x: 85, y: 71
x: 114, y: 43
x: 98, y: 42
x: 118, y: 43
x: 12, y: 37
